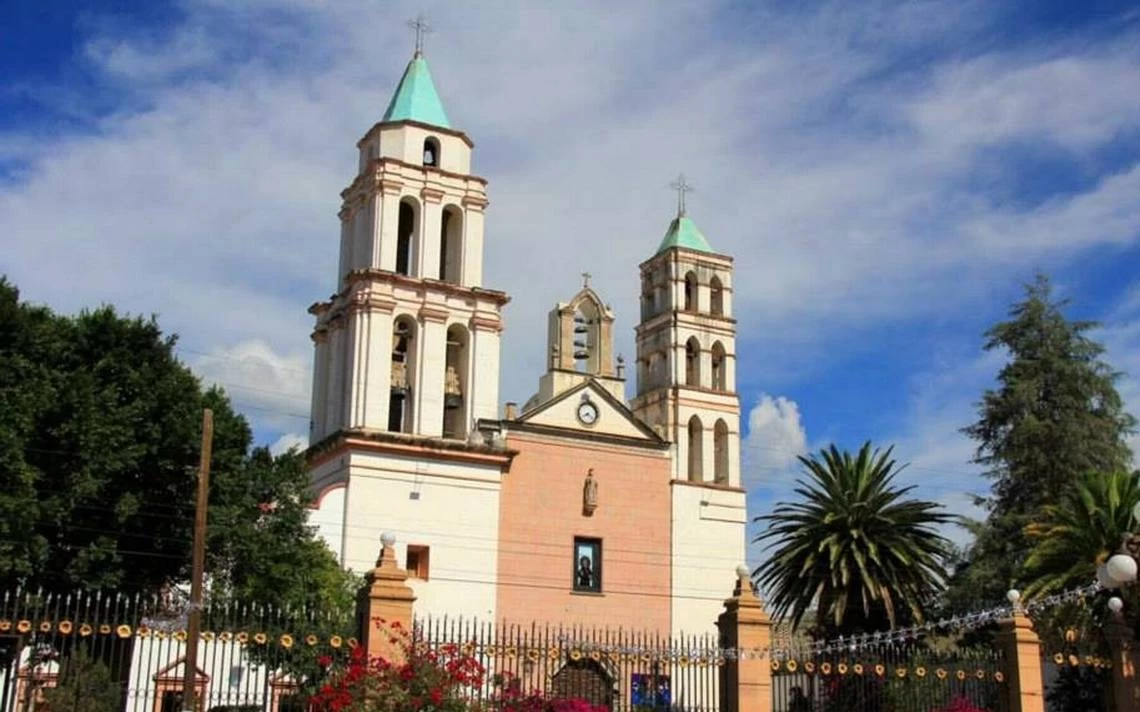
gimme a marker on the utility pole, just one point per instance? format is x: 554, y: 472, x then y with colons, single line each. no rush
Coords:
x: 194, y: 624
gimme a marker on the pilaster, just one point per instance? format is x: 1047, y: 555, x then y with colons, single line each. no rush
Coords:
x: 746, y: 681
x: 1022, y: 650
x: 430, y: 371
x: 386, y: 232
x: 320, y: 384
x: 427, y: 251
x: 473, y: 219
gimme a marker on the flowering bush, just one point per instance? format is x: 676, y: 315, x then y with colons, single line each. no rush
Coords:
x: 427, y: 680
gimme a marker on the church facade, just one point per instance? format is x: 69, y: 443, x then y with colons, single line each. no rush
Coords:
x: 580, y: 507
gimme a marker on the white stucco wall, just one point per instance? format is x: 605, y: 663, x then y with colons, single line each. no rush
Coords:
x: 708, y: 545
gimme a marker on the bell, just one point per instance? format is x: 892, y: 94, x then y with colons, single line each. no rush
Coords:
x: 579, y: 344
x: 581, y: 354
x: 581, y: 329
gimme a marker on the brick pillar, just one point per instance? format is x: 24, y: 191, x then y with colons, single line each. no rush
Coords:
x: 745, y: 684
x: 388, y: 598
x: 1022, y: 650
x: 1122, y: 643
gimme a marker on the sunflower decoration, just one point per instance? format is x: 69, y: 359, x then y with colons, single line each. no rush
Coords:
x: 920, y: 671
x: 646, y: 658
x: 576, y: 655
x: 683, y: 661
x: 961, y: 675
x: 5, y: 625
x: 142, y: 631
x: 596, y: 655
x: 65, y: 627
x: 1070, y: 636
x: 286, y: 641
x: 179, y: 635
x: 533, y: 655
x: 207, y: 635
x: 123, y: 631
x: 1074, y: 660
x: 352, y: 643
x: 105, y: 629
x: 467, y: 649
x: 980, y: 674
x: 24, y: 626
x: 243, y: 637
x: 336, y: 641
x: 311, y: 640
x: 85, y: 629
x: 940, y: 674
x: 1059, y: 659
x: 45, y: 626
x: 510, y: 651
x: 720, y: 661
x: 225, y: 636
x: 791, y: 665
x: 553, y: 653
x: 857, y: 668
x: 842, y: 668
x: 825, y: 668
x: 809, y: 667
x: 900, y: 672
x: 880, y: 669
x: 161, y: 634
x: 999, y: 676
x: 260, y: 638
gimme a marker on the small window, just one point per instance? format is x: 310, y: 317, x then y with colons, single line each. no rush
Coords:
x: 417, y: 561
x: 587, y: 565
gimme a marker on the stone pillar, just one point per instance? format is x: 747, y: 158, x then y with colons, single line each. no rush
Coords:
x: 1122, y: 644
x: 745, y: 683
x: 1022, y: 650
x: 389, y: 599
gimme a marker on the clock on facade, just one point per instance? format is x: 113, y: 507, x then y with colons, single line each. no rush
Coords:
x: 587, y: 412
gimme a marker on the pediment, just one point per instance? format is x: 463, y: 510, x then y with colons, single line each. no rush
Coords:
x: 613, y: 419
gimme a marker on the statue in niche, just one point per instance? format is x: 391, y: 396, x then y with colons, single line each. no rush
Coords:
x: 399, y: 376
x: 589, y: 493
x: 451, y: 382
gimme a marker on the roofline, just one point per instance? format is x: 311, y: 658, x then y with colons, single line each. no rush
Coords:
x: 379, y: 125
x: 676, y: 249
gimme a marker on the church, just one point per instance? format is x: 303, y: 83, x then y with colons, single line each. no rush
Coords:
x: 582, y: 506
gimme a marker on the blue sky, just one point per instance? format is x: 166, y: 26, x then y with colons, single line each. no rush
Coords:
x: 886, y: 174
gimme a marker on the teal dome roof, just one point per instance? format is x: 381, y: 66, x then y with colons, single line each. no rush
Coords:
x: 415, y: 98
x: 683, y: 233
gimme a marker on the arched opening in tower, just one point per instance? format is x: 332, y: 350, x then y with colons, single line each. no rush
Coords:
x: 696, y: 449
x: 455, y: 383
x: 431, y: 152
x: 585, y: 340
x: 718, y: 380
x: 402, y: 376
x: 450, y: 244
x: 406, y: 236
x: 692, y: 362
x: 690, y: 292
x: 720, y: 449
x: 716, y: 297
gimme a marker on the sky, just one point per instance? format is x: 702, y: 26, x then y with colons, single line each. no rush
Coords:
x: 887, y: 176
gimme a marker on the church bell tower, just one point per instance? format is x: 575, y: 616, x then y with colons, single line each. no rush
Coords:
x: 686, y: 353
x: 409, y: 341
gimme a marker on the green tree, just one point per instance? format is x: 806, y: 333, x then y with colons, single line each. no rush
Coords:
x: 85, y: 685
x: 1080, y: 532
x: 99, y: 439
x: 1054, y: 416
x: 854, y: 546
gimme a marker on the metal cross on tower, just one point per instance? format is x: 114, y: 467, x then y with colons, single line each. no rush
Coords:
x: 586, y: 279
x: 681, y: 187
x: 422, y: 28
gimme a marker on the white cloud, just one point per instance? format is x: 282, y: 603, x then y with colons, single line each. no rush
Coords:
x: 274, y: 387
x: 775, y: 437
x: 287, y: 442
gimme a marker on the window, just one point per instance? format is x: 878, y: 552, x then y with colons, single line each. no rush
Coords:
x: 587, y: 565
x: 417, y: 561
x: 720, y: 446
x: 716, y: 297
x: 405, y: 237
x: 718, y: 367
x: 431, y: 152
x: 696, y: 449
x: 692, y: 362
x: 690, y: 292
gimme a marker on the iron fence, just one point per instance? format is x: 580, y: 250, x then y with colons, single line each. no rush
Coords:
x: 623, y: 670
x: 890, y: 678
x: 130, y: 652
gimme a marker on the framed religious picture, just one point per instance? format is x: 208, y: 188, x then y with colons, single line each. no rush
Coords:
x: 587, y: 565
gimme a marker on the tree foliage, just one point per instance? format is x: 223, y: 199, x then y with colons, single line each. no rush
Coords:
x: 85, y: 685
x: 99, y: 439
x: 1054, y: 416
x: 853, y: 545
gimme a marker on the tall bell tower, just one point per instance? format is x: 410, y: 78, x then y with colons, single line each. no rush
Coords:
x: 409, y: 342
x: 686, y: 391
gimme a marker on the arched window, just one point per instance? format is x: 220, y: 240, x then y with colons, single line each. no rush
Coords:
x: 716, y: 297
x: 696, y: 449
x: 431, y: 152
x: 692, y: 362
x: 690, y: 292
x: 718, y: 367
x: 406, y: 236
x: 720, y: 449
x: 455, y: 383
x: 402, y: 375
x: 450, y: 244
x: 647, y: 299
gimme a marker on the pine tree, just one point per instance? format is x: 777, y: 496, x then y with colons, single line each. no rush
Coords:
x: 1055, y: 416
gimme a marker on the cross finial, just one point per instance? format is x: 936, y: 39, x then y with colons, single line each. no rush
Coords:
x: 586, y: 279
x: 421, y: 27
x: 681, y: 187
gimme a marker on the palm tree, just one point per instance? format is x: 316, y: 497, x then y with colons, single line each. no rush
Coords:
x: 1079, y: 532
x: 854, y: 546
